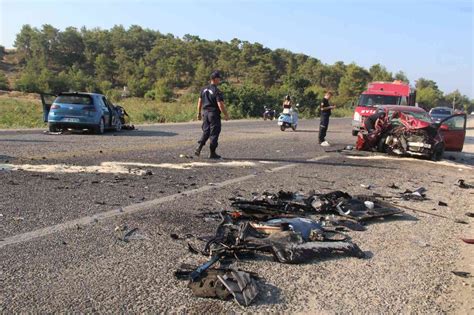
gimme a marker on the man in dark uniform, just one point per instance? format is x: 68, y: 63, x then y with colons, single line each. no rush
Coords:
x: 371, y: 121
x: 325, y: 114
x: 210, y: 107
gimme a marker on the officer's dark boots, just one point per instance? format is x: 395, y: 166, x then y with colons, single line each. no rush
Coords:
x: 214, y: 155
x: 198, y: 149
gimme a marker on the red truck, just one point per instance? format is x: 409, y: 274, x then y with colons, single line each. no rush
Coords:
x: 381, y: 93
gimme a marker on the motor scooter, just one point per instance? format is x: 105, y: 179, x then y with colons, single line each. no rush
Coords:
x: 288, y: 119
x: 269, y: 113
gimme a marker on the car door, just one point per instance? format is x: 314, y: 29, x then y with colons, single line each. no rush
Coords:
x: 453, y: 131
x: 106, y: 112
x: 47, y: 100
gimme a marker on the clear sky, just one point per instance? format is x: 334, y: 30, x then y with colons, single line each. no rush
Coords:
x: 424, y: 38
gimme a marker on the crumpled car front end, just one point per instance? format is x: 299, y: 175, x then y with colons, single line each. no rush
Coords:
x: 405, y: 135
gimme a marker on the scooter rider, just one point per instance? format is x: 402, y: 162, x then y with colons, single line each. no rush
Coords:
x: 210, y: 106
x: 287, y: 104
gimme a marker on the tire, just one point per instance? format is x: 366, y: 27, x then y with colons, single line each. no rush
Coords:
x: 294, y: 127
x: 100, y: 129
x: 438, y: 152
x: 381, y: 146
x: 52, y: 128
x: 118, y: 125
x: 355, y: 132
x: 282, y: 128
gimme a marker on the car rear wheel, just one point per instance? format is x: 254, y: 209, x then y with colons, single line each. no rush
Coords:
x: 118, y: 125
x: 282, y: 128
x: 100, y: 129
x: 52, y: 128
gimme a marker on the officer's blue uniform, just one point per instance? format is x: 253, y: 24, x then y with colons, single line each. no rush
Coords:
x: 324, y: 122
x: 211, y: 116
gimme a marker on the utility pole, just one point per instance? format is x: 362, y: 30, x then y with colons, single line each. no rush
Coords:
x: 454, y: 100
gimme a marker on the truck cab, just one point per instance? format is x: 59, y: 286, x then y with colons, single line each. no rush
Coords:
x: 381, y: 93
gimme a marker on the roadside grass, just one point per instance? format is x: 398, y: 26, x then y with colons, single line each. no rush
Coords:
x: 26, y: 112
x: 147, y: 111
x: 342, y: 112
x: 20, y: 113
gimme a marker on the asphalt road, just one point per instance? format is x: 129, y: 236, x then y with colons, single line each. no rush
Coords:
x: 62, y: 197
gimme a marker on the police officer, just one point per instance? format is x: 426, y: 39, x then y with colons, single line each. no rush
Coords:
x: 324, y: 123
x: 210, y: 107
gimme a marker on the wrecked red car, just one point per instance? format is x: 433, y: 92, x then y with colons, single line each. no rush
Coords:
x: 410, y: 131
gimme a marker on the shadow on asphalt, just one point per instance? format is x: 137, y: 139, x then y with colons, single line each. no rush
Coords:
x: 144, y: 133
x: 123, y: 133
x: 24, y: 141
x: 306, y: 162
x: 400, y: 217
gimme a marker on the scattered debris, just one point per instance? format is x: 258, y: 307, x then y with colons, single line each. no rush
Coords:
x: 462, y: 274
x: 366, y: 186
x: 462, y: 184
x: 222, y: 283
x: 470, y: 214
x: 185, y: 156
x: 393, y: 186
x: 130, y: 235
x: 148, y: 173
x: 442, y: 204
x: 468, y: 240
x: 417, y: 195
x: 18, y: 218
x: 460, y: 221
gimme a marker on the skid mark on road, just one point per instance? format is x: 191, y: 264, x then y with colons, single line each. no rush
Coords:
x: 402, y: 159
x: 28, y: 236
x: 134, y: 168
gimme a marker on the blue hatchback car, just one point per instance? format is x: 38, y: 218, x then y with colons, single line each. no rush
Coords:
x: 78, y: 110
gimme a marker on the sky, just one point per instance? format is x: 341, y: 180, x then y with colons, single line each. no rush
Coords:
x: 425, y: 38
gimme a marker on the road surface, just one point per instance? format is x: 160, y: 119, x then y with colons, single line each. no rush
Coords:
x: 62, y: 198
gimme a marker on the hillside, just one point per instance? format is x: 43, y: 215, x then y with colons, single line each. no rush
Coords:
x: 164, y: 68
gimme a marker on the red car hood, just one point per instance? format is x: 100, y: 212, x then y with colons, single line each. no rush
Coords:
x: 411, y: 122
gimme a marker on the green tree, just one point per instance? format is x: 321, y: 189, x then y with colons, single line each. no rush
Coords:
x: 3, y: 81
x: 400, y: 75
x: 379, y: 73
x: 352, y: 83
x: 428, y: 97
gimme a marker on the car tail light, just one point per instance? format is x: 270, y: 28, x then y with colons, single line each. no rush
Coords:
x: 54, y: 106
x: 90, y: 109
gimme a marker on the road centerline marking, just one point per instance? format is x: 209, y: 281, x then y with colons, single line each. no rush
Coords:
x: 31, y: 235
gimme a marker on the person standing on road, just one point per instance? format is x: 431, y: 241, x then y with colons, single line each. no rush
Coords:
x: 210, y: 106
x: 324, y: 123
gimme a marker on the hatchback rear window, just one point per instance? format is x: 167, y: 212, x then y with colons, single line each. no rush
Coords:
x: 74, y: 99
x: 441, y: 111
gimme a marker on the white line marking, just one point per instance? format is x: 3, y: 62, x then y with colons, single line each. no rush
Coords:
x: 28, y: 236
x: 402, y: 159
x: 117, y: 167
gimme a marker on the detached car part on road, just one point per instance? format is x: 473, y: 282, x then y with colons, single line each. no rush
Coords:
x: 410, y: 131
x: 78, y: 110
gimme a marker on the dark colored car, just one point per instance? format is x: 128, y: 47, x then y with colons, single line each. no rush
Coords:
x: 408, y: 130
x: 439, y: 113
x: 78, y: 110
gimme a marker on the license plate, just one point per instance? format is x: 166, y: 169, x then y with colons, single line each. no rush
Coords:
x: 71, y: 119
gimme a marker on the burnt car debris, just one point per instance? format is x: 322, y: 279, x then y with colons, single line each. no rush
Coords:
x: 409, y: 131
x: 293, y: 228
